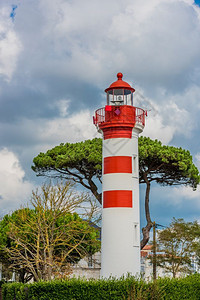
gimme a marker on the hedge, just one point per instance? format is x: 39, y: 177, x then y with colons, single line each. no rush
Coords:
x: 113, y: 289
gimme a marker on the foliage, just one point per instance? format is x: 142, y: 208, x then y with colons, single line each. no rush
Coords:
x: 5, y: 243
x: 187, y: 288
x: 166, y: 165
x: 196, y: 244
x: 81, y: 162
x: 176, y: 246
x: 2, y: 282
x: 45, y: 240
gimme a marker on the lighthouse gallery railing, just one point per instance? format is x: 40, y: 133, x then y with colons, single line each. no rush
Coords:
x: 139, y: 116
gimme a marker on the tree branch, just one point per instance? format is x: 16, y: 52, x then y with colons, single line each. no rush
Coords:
x: 147, y: 228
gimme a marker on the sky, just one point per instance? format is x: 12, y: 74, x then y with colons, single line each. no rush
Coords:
x: 56, y: 59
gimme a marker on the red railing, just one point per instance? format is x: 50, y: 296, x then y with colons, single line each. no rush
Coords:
x: 139, y: 116
x: 99, y: 116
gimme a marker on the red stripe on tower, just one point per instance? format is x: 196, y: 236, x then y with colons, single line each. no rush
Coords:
x: 117, y: 199
x: 114, y: 132
x: 118, y: 164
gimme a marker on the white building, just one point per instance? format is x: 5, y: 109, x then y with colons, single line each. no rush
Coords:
x: 90, y: 267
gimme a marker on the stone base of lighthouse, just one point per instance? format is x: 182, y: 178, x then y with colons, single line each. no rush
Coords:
x: 120, y: 250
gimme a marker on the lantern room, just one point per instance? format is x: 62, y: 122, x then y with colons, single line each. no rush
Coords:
x: 119, y: 111
x: 120, y: 92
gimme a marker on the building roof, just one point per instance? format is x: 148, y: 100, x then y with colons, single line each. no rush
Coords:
x: 146, y: 250
x: 147, y: 247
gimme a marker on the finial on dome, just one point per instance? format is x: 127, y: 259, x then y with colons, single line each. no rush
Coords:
x: 119, y: 76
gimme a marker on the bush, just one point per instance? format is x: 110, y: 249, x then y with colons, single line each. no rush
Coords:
x: 2, y: 282
x: 187, y: 288
x: 113, y: 289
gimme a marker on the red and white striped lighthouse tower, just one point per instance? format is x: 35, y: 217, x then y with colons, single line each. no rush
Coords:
x: 120, y: 123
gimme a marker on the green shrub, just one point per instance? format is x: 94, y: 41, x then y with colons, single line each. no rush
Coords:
x: 2, y: 282
x: 187, y: 288
x: 113, y: 289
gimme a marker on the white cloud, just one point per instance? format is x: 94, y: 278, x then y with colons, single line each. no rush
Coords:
x: 155, y: 129
x: 166, y: 120
x: 63, y: 106
x: 76, y: 127
x: 50, y: 132
x: 184, y: 193
x: 143, y: 38
x: 197, y: 160
x: 10, y: 45
x: 177, y: 197
x: 82, y: 124
x: 14, y: 188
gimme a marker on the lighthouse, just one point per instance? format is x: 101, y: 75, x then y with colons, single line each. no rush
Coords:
x: 120, y: 124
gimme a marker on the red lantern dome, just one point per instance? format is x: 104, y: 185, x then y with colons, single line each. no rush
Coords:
x: 120, y: 84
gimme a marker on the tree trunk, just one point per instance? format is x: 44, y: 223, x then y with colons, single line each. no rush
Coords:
x: 99, y: 198
x: 147, y: 228
x: 22, y: 273
x: 94, y: 190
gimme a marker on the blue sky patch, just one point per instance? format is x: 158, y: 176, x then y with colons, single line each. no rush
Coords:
x: 197, y: 2
x: 13, y: 12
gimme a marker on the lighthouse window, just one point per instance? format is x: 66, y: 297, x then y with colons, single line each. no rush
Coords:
x: 135, y: 166
x: 115, y: 97
x: 135, y: 234
x: 118, y: 97
x: 128, y: 95
x: 109, y: 97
